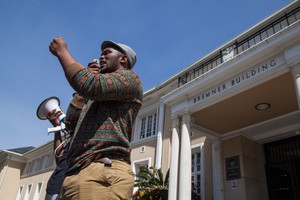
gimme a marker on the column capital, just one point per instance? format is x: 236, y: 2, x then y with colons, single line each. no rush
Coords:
x: 292, y: 55
x: 295, y: 70
x: 175, y: 122
x: 187, y: 118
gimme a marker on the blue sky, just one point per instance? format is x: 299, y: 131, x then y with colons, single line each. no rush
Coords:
x: 168, y: 36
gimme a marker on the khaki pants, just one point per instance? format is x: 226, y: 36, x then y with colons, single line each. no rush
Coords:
x: 101, y: 182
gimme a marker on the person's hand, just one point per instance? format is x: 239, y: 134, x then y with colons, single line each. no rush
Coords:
x: 94, y: 67
x: 58, y: 46
x: 53, y: 115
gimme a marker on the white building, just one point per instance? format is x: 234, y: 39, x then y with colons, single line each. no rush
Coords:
x: 232, y: 117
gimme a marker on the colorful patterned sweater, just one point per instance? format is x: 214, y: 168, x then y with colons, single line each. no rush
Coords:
x: 104, y: 127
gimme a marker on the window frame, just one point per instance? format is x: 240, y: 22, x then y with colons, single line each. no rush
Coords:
x: 50, y: 161
x: 28, y: 191
x: 148, y: 126
x: 36, y: 165
x: 38, y: 190
x: 144, y: 113
x: 138, y: 164
x: 20, y: 191
x: 196, y: 175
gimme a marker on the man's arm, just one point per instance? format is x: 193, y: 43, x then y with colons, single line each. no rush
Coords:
x: 58, y: 47
x: 53, y: 119
x: 121, y: 85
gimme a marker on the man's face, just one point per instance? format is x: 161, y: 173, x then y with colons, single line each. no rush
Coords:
x: 110, y: 60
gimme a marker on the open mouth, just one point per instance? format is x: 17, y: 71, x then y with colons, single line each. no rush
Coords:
x: 102, y: 63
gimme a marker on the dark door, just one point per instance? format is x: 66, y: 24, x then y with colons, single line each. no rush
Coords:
x: 283, y: 169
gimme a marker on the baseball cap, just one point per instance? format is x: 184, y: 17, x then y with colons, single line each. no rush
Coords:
x: 128, y: 51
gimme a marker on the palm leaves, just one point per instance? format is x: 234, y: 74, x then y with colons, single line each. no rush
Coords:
x: 151, y: 184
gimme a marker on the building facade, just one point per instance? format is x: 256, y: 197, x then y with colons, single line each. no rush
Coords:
x: 229, y: 123
x: 227, y: 126
x: 24, y: 176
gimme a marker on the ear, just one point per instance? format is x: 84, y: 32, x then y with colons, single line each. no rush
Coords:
x: 124, y: 61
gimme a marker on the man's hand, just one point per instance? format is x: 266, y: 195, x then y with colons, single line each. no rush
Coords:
x: 94, y: 67
x: 58, y: 46
x: 53, y: 115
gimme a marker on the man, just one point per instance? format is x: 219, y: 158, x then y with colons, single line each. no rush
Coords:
x: 99, y: 155
x: 57, y: 177
x: 61, y: 145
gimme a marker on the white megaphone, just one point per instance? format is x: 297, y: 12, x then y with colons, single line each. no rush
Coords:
x: 48, y: 105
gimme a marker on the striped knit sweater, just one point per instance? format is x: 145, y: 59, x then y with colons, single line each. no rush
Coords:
x: 104, y: 127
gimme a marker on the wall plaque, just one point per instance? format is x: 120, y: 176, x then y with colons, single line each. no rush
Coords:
x: 233, y: 170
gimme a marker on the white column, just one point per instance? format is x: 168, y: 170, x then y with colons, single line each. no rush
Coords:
x: 296, y: 74
x: 217, y: 171
x: 292, y: 57
x: 185, y: 182
x: 160, y: 127
x: 173, y: 176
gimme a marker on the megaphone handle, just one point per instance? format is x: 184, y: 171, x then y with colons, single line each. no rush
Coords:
x: 61, y: 117
x: 55, y: 129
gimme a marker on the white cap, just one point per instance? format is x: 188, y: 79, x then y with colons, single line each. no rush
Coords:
x: 129, y: 52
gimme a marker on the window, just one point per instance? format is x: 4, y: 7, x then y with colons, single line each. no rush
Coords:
x: 38, y: 191
x: 27, y: 169
x: 196, y: 169
x: 142, y: 135
x: 36, y: 165
x: 19, y: 192
x: 136, y: 165
x: 45, y: 161
x: 49, y: 161
x: 148, y: 126
x: 29, y: 187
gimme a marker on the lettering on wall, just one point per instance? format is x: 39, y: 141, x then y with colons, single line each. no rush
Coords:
x: 241, y: 78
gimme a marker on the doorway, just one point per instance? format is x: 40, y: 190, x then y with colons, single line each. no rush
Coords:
x: 283, y: 168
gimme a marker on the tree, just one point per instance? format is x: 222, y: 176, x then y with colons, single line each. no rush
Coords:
x: 151, y: 184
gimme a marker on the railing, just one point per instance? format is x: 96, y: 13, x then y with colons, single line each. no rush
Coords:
x: 240, y: 46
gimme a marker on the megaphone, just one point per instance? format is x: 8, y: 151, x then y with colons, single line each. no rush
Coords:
x: 48, y: 105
